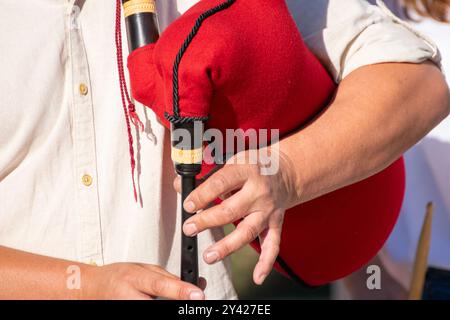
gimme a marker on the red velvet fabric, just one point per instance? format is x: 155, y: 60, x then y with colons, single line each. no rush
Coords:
x: 248, y: 67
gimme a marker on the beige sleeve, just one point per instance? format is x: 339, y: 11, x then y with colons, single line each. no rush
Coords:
x: 348, y: 34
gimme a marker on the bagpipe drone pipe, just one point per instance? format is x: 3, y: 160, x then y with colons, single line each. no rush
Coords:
x: 242, y: 64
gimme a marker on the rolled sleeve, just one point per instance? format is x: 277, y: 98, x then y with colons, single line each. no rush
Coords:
x: 348, y: 34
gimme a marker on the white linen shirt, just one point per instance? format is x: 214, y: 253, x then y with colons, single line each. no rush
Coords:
x: 65, y: 186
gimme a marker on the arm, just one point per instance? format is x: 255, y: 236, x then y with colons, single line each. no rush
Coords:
x: 378, y: 113
x: 28, y: 276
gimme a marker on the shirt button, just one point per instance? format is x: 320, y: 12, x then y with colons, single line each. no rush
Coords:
x: 87, y: 180
x: 83, y: 89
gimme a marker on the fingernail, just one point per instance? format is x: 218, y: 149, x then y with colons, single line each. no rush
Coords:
x: 190, y: 229
x: 262, y: 277
x: 211, y: 257
x: 189, y: 206
x: 196, y: 295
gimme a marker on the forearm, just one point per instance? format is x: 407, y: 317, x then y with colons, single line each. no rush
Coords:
x: 29, y: 276
x: 378, y: 113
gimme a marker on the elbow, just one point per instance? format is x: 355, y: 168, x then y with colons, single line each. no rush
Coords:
x: 442, y: 96
x: 439, y: 97
x: 445, y: 96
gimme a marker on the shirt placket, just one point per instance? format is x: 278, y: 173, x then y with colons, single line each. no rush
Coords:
x: 84, y: 141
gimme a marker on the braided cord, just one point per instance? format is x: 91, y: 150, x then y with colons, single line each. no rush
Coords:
x: 128, y: 106
x: 176, y: 118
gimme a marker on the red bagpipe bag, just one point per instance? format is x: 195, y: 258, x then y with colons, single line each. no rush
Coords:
x: 243, y: 64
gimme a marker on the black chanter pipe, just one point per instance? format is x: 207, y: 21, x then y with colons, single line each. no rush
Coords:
x: 142, y: 29
x: 187, y: 152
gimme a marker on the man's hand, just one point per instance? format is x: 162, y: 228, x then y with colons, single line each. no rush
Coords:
x: 378, y: 112
x: 259, y: 200
x: 136, y: 282
x: 25, y: 275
